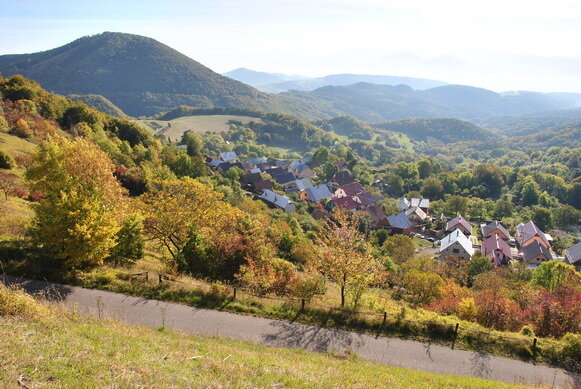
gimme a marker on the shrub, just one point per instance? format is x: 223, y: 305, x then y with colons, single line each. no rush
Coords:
x: 467, y: 309
x: 6, y: 161
x: 15, y: 302
x: 527, y: 331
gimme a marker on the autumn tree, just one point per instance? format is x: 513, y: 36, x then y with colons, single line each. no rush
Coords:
x: 79, y: 216
x: 345, y: 257
x: 423, y: 286
x: 177, y: 211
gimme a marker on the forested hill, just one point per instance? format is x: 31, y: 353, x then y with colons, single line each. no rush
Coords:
x: 370, y: 102
x: 444, y: 130
x: 138, y: 74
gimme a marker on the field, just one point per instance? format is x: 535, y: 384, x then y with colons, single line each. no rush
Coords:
x: 42, y: 346
x: 199, y: 124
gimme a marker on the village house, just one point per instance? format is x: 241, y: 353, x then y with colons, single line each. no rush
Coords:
x: 495, y: 228
x: 573, y: 256
x: 416, y: 215
x: 346, y: 203
x: 403, y: 204
x: 260, y: 186
x: 528, y: 233
x: 378, y: 216
x: 228, y: 156
x: 342, y: 178
x: 536, y: 253
x: 316, y: 193
x: 399, y: 224
x: 278, y: 201
x: 423, y: 204
x: 459, y: 223
x: 298, y: 186
x: 349, y: 190
x: 365, y: 199
x: 497, y: 250
x: 456, y: 245
x: 285, y: 179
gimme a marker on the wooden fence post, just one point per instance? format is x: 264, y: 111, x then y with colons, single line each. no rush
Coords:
x: 160, y: 276
x: 234, y: 297
x: 455, y: 335
x: 302, y: 304
x: 146, y: 276
x: 384, y: 319
x: 535, y: 348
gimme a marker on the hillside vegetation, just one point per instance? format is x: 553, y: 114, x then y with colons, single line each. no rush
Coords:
x: 439, y: 130
x: 100, y: 103
x: 69, y: 351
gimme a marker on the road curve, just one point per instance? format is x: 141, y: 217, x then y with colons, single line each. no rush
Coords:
x: 277, y: 333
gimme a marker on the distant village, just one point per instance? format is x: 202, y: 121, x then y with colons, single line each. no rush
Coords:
x: 455, y: 238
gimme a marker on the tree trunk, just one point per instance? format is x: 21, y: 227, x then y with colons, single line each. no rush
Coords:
x: 342, y: 296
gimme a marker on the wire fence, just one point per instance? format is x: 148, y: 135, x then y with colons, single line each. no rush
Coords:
x: 379, y: 322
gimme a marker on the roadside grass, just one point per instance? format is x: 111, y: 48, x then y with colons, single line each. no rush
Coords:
x: 42, y: 346
x: 16, y: 146
x: 401, y: 319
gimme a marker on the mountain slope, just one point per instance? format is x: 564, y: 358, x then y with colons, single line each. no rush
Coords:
x: 444, y: 130
x: 100, y: 103
x: 138, y: 74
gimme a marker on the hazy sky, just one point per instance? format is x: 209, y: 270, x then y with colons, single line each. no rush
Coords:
x: 501, y: 45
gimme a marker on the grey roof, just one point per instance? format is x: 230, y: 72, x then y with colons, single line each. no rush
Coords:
x: 257, y: 161
x: 573, y: 253
x: 451, y: 225
x: 215, y: 162
x: 529, y: 230
x: 535, y: 249
x: 457, y: 236
x: 303, y: 184
x: 399, y: 220
x: 319, y: 192
x: 489, y: 228
x: 285, y: 178
x: 274, y: 171
x: 228, y: 156
x: 276, y: 199
x: 422, y: 203
x: 403, y: 204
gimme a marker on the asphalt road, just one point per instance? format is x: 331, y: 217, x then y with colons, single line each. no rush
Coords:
x: 276, y: 333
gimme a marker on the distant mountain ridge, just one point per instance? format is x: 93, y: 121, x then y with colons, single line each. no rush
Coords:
x: 370, y: 102
x: 276, y: 82
x: 144, y: 77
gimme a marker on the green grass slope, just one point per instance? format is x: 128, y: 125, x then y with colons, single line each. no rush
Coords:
x: 44, y: 347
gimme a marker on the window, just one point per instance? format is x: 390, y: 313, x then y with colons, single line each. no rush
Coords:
x: 455, y: 251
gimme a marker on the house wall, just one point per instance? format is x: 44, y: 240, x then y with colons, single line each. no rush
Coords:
x: 497, y: 231
x: 455, y: 250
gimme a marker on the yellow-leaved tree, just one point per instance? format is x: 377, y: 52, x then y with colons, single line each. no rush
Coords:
x: 177, y: 212
x: 346, y: 257
x: 82, y: 203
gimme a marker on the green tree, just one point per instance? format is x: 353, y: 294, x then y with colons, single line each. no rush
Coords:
x: 553, y: 274
x: 503, y: 208
x: 530, y: 193
x: 478, y: 264
x: 320, y: 157
x: 194, y: 143
x: 3, y: 123
x: 489, y: 176
x: 432, y: 188
x: 456, y: 205
x: 399, y: 247
x: 129, y: 241
x: 543, y: 218
x: 566, y: 216
x: 77, y: 221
